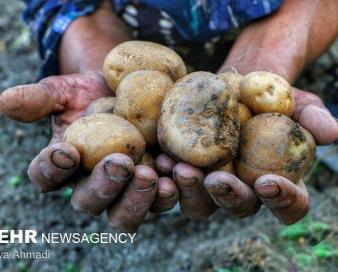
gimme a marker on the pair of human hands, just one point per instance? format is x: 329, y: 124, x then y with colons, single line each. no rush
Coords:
x: 129, y: 191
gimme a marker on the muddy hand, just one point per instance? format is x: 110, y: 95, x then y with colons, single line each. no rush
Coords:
x: 289, y: 202
x: 66, y: 98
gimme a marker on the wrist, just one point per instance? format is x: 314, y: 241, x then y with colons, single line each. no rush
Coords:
x: 89, y: 39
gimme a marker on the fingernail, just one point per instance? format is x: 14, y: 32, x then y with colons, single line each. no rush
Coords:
x: 268, y: 190
x: 163, y: 169
x: 219, y: 190
x: 165, y: 194
x: 116, y: 172
x: 62, y: 160
x: 144, y: 185
x: 187, y: 181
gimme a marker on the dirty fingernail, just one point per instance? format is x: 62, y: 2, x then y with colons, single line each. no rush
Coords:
x: 62, y: 160
x: 144, y: 185
x: 268, y: 190
x: 187, y: 181
x: 219, y: 190
x: 165, y: 194
x: 116, y: 172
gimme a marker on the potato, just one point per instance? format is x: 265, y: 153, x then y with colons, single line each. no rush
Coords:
x: 267, y: 92
x: 139, y: 99
x: 199, y: 121
x: 139, y: 55
x: 101, y: 105
x: 244, y: 114
x: 234, y: 80
x: 102, y: 134
x: 229, y: 167
x: 272, y: 143
x: 148, y: 160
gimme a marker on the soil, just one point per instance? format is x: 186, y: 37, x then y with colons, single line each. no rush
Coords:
x: 167, y: 242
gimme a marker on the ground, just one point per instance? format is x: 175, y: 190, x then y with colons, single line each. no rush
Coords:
x: 166, y: 242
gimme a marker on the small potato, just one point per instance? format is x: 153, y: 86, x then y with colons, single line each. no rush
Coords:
x: 148, y: 160
x: 234, y: 80
x: 139, y: 99
x: 267, y: 92
x: 199, y: 121
x: 101, y: 105
x: 139, y: 55
x: 244, y: 114
x: 102, y: 134
x: 272, y: 143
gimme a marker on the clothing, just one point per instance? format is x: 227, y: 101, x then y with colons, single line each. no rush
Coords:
x: 194, y: 28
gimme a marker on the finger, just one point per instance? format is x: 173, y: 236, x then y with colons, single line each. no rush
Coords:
x: 166, y: 197
x: 164, y: 164
x: 129, y: 211
x: 312, y: 115
x: 109, y: 177
x: 195, y: 201
x: 50, y: 170
x: 287, y: 201
x: 30, y: 103
x: 230, y: 193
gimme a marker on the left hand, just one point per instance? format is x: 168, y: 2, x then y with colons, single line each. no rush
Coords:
x: 200, y: 195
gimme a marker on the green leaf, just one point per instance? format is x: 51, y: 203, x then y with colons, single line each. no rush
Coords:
x: 67, y: 193
x: 21, y: 266
x: 15, y: 181
x: 304, y: 260
x: 320, y: 227
x: 69, y: 267
x: 295, y: 231
x: 322, y: 250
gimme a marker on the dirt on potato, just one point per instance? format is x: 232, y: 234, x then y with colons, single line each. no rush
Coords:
x: 166, y: 242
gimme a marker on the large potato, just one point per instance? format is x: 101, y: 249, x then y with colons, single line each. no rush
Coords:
x: 139, y: 55
x: 267, y: 92
x: 272, y: 143
x: 199, y: 120
x: 102, y: 134
x: 139, y: 99
x: 234, y: 80
x: 101, y: 105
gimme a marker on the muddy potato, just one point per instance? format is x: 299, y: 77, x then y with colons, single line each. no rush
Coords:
x: 99, y: 135
x: 227, y: 167
x: 244, y: 114
x: 267, y: 92
x: 101, y: 105
x: 148, y: 160
x: 272, y: 143
x: 234, y: 80
x: 139, y: 99
x: 199, y: 121
x: 139, y: 55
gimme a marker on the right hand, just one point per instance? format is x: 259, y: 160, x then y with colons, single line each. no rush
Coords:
x: 115, y: 184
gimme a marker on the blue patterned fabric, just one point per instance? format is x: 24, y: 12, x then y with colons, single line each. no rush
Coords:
x: 196, y: 21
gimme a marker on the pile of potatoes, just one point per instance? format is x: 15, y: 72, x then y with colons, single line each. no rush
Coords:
x: 240, y: 124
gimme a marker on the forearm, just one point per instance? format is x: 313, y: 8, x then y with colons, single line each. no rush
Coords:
x: 88, y: 40
x: 286, y: 41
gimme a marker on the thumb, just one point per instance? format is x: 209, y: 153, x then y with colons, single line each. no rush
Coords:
x: 312, y: 115
x: 30, y: 103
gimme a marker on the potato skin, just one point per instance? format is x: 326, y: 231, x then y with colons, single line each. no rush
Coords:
x: 139, y: 99
x: 267, y: 92
x: 244, y: 114
x: 101, y: 105
x: 234, y: 80
x: 102, y: 134
x: 272, y: 143
x: 199, y: 121
x: 139, y: 55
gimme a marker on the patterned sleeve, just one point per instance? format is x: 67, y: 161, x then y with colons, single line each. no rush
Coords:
x: 48, y: 20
